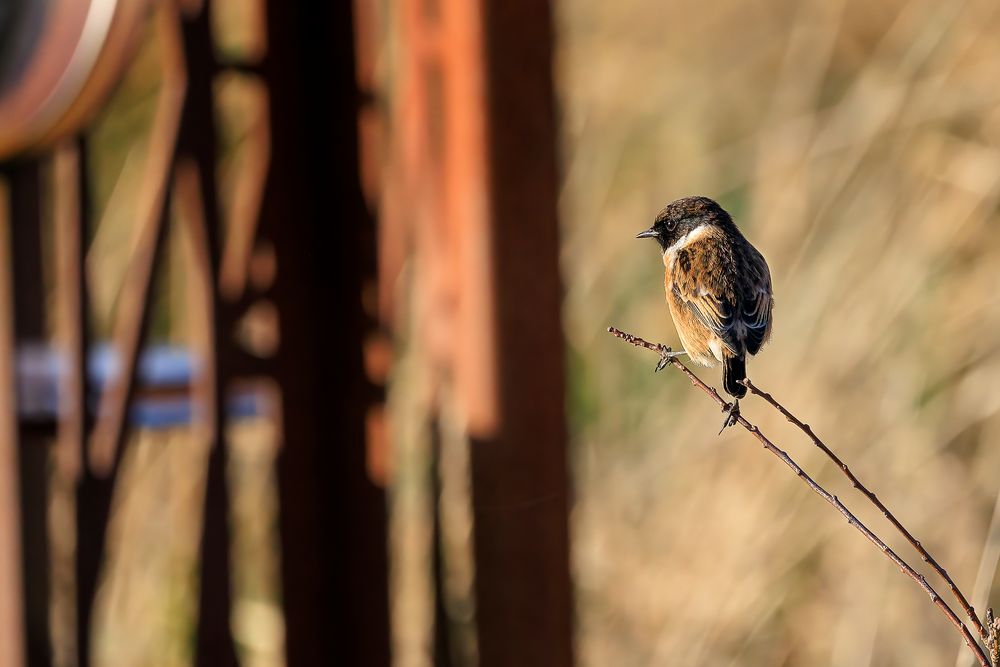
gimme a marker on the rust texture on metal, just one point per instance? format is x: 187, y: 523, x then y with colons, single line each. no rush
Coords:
x: 70, y: 55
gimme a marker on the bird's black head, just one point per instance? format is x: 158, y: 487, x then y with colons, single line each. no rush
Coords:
x: 681, y: 217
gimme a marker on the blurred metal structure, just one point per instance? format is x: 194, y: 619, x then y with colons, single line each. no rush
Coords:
x: 329, y: 508
x: 60, y: 59
x: 470, y: 197
x: 347, y: 179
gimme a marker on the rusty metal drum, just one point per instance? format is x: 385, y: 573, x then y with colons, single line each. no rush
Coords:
x: 58, y: 61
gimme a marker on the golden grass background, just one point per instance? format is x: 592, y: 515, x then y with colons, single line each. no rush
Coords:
x: 856, y: 143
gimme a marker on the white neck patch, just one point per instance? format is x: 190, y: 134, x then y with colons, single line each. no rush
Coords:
x: 671, y: 253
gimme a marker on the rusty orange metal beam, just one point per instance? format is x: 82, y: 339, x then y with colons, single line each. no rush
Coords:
x: 12, y: 631
x: 69, y: 307
x: 471, y: 188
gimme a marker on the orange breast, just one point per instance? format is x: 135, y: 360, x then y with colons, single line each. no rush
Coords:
x: 694, y: 335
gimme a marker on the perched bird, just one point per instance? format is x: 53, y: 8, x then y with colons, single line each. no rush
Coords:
x: 718, y: 289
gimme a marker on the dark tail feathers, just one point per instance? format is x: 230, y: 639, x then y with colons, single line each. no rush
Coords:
x: 733, y: 373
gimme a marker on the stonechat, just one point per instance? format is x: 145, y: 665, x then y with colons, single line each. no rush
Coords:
x: 718, y: 289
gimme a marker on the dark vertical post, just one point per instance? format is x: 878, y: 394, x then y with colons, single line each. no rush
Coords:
x: 332, y: 516
x: 33, y: 450
x: 520, y: 477
x: 197, y: 140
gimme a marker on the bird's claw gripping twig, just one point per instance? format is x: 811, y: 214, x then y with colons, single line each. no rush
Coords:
x: 732, y: 411
x: 666, y: 354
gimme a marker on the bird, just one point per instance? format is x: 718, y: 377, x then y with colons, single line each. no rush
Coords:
x: 718, y: 290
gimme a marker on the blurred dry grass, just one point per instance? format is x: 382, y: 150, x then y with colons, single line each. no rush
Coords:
x: 147, y: 607
x: 858, y: 145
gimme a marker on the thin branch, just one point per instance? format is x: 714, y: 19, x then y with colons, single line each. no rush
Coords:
x: 903, y: 566
x: 856, y: 483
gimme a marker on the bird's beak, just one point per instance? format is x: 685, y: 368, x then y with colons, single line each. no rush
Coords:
x: 648, y: 234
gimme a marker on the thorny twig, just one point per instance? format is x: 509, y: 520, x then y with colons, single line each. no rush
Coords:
x: 856, y: 483
x: 903, y: 566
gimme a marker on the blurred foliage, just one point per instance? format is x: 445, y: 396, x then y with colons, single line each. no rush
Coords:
x: 858, y: 146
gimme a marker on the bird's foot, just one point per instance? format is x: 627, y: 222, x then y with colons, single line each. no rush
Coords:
x: 732, y: 411
x: 666, y: 354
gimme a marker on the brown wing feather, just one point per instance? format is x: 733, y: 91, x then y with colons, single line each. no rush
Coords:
x: 727, y: 287
x: 705, y: 288
x: 756, y: 308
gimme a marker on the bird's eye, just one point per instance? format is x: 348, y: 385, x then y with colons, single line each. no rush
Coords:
x: 671, y: 224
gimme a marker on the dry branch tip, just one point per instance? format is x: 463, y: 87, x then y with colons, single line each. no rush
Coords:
x: 990, y: 637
